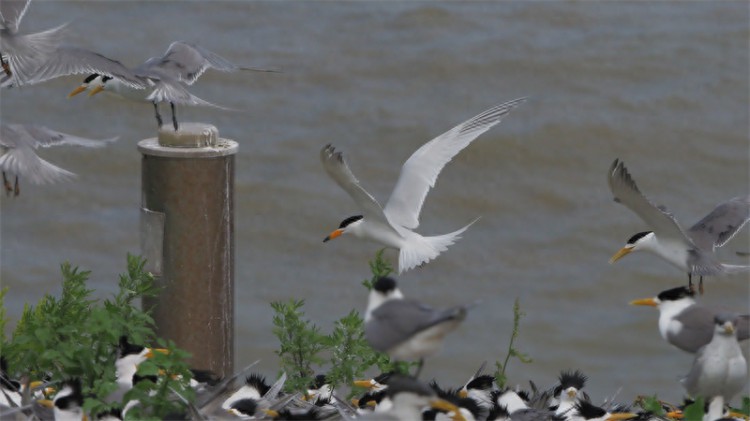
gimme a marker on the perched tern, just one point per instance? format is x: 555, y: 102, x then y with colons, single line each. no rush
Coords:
x: 164, y: 78
x: 409, y: 397
x: 719, y: 368
x: 393, y: 225
x: 691, y: 250
x: 685, y: 323
x: 68, y: 402
x: 17, y: 153
x: 404, y: 328
x: 126, y: 366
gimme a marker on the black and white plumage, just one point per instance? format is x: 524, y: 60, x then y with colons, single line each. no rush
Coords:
x: 685, y: 323
x: 393, y: 225
x: 68, y: 402
x: 164, y: 78
x: 407, y: 398
x: 18, y: 145
x: 719, y: 368
x: 693, y: 250
x: 404, y: 328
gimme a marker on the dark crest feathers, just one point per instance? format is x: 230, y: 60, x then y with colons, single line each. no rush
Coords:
x: 348, y: 221
x: 384, y: 284
x: 675, y: 294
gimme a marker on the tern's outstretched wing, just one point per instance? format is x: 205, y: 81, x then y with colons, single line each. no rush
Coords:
x: 40, y: 136
x: 11, y: 13
x: 26, y: 54
x: 17, y: 156
x: 166, y: 89
x: 421, y: 170
x: 719, y: 226
x: 69, y: 60
x: 336, y: 167
x: 626, y: 192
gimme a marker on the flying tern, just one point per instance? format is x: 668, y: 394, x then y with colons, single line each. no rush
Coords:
x: 405, y: 328
x: 164, y: 78
x: 685, y: 323
x: 393, y: 224
x: 691, y: 250
x: 17, y: 153
x: 719, y: 368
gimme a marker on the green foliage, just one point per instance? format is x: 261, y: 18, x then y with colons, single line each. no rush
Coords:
x: 3, y: 318
x: 300, y: 341
x: 745, y: 409
x: 500, y: 376
x: 379, y: 268
x: 75, y: 336
x: 652, y: 405
x: 694, y: 411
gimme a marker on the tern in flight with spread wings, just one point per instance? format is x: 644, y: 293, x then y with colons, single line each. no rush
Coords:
x: 691, y: 250
x: 393, y: 224
x: 165, y: 77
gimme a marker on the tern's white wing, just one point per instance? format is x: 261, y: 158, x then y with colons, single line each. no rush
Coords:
x: 719, y: 226
x: 40, y: 136
x: 11, y: 13
x: 27, y: 53
x: 18, y: 157
x: 421, y: 170
x: 166, y: 89
x: 68, y: 60
x: 336, y: 167
x: 187, y: 62
x: 626, y: 192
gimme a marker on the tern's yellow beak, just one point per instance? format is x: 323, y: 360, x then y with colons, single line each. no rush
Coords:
x: 446, y: 406
x: 364, y: 384
x: 76, y: 91
x: 271, y: 413
x: 728, y: 328
x: 644, y: 302
x: 334, y: 234
x: 620, y: 254
x: 675, y: 414
x: 45, y: 403
x: 150, y: 353
x: 463, y: 393
x: 621, y: 416
x: 96, y: 90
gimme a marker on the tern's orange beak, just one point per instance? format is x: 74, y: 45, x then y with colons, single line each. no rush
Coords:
x: 621, y: 416
x: 364, y: 384
x: 463, y: 393
x: 334, y: 234
x: 45, y: 403
x: 96, y: 90
x: 620, y: 254
x: 644, y: 302
x: 77, y: 91
x: 678, y: 415
x: 150, y: 353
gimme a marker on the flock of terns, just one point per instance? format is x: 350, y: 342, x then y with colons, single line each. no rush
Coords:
x: 404, y: 328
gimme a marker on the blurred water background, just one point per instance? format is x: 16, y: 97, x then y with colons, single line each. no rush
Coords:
x: 661, y: 85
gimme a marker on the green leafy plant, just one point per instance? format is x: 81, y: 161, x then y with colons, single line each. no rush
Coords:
x: 500, y: 368
x: 694, y: 411
x: 651, y: 404
x: 379, y: 268
x: 75, y: 336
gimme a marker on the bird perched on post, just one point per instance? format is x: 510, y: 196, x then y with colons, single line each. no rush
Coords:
x: 163, y: 79
x: 685, y: 323
x: 693, y: 250
x: 17, y: 153
x: 393, y: 225
x: 405, y: 328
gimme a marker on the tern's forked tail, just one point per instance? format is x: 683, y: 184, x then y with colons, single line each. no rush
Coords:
x: 420, y: 249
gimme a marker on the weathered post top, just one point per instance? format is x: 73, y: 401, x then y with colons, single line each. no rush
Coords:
x: 187, y: 237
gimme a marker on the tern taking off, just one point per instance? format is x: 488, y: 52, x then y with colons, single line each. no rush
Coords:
x: 691, y: 250
x: 392, y: 225
x: 164, y: 78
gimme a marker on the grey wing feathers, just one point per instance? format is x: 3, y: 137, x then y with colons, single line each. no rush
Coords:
x: 626, y: 192
x: 11, y: 13
x: 69, y: 60
x: 697, y: 328
x: 166, y: 89
x: 44, y: 137
x: 719, y: 226
x: 397, y: 320
x: 187, y: 62
x: 338, y: 170
x: 419, y: 173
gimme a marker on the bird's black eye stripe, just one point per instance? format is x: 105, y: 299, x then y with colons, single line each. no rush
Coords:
x: 384, y: 285
x: 126, y: 348
x: 89, y: 78
x: 346, y: 222
x: 638, y: 236
x: 106, y: 78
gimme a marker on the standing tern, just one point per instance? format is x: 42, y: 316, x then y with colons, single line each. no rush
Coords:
x: 685, y: 323
x: 165, y: 78
x: 719, y: 368
x: 405, y: 328
x: 17, y: 153
x: 691, y: 250
x: 392, y: 225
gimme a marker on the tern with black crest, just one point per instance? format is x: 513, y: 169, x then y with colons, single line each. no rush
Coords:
x: 693, y: 250
x: 393, y: 225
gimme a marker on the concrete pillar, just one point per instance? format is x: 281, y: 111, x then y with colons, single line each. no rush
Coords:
x: 187, y: 236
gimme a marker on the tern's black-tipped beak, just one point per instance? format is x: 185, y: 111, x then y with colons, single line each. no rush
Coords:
x: 333, y: 235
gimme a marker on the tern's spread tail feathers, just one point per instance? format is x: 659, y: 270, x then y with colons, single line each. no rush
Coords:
x: 730, y: 269
x: 420, y: 250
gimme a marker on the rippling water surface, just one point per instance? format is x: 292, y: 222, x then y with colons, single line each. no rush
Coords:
x: 663, y: 86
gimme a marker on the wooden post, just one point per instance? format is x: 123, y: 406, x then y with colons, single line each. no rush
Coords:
x: 187, y: 236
